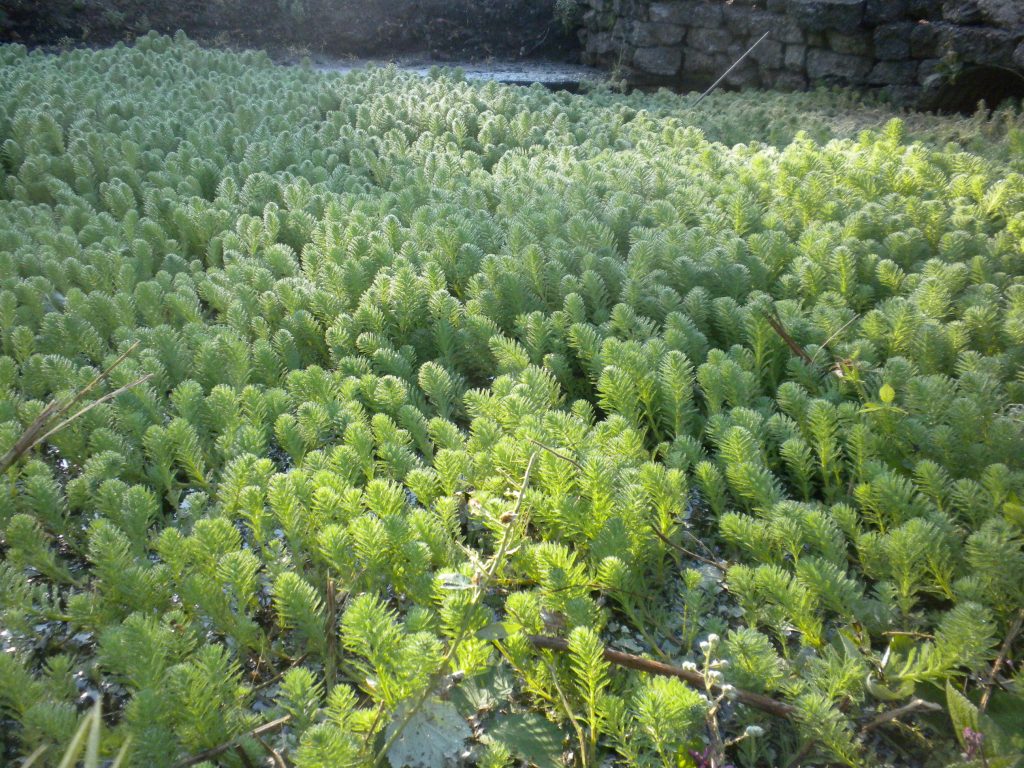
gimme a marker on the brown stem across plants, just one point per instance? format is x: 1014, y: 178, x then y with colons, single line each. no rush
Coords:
x: 694, y: 678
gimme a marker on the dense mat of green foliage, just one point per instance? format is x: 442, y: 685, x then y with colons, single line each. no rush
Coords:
x: 778, y: 384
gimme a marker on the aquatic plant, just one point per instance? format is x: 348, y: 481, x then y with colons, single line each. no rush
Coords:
x: 451, y: 400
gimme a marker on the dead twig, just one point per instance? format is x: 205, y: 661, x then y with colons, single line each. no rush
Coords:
x: 723, y: 567
x: 243, y: 756
x: 1004, y: 651
x: 42, y: 427
x: 556, y: 454
x: 694, y: 678
x: 915, y: 705
x: 276, y: 756
x: 331, y: 660
x: 255, y: 733
x: 779, y: 328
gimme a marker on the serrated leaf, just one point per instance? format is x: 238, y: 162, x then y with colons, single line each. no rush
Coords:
x: 433, y: 737
x: 530, y: 737
x: 483, y: 693
x: 962, y: 712
x: 886, y: 394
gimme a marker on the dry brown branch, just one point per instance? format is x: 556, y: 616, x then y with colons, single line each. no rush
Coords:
x: 694, y: 678
x: 243, y: 756
x: 779, y: 328
x: 42, y: 427
x: 723, y: 567
x: 277, y: 757
x: 1004, y: 651
x: 330, y: 663
x: 915, y: 705
x: 212, y: 752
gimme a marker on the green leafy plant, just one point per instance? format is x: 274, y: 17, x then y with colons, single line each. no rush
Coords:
x: 278, y: 347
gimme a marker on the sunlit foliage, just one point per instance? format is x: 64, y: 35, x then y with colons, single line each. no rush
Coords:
x: 365, y: 300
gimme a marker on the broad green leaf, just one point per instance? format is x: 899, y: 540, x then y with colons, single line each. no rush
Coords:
x: 434, y: 736
x: 530, y: 737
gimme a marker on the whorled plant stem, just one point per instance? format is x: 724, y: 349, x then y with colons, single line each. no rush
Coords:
x: 480, y: 589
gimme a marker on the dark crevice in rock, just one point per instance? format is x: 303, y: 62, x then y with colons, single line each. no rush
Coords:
x: 991, y: 85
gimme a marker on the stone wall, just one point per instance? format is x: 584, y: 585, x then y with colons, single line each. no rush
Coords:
x: 442, y: 29
x: 912, y: 49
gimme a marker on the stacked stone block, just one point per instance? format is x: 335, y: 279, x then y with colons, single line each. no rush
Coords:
x: 902, y: 46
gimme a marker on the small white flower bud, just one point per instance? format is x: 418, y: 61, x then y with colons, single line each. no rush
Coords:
x: 713, y: 638
x: 753, y: 731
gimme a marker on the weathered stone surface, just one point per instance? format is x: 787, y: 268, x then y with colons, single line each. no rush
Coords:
x: 924, y: 9
x: 659, y: 60
x: 928, y: 70
x: 892, y: 41
x: 748, y: 21
x: 902, y: 94
x: 981, y: 45
x: 795, y: 57
x: 790, y: 81
x: 829, y: 65
x: 1008, y: 14
x: 744, y: 76
x: 648, y: 33
x: 785, y: 30
x: 601, y: 43
x: 819, y: 15
x: 894, y: 45
x: 710, y: 40
x: 884, y: 11
x: 707, y: 15
x: 961, y: 11
x: 687, y: 12
x: 669, y: 12
x: 925, y: 39
x: 893, y: 72
x: 768, y: 54
x: 858, y: 43
x: 706, y: 63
